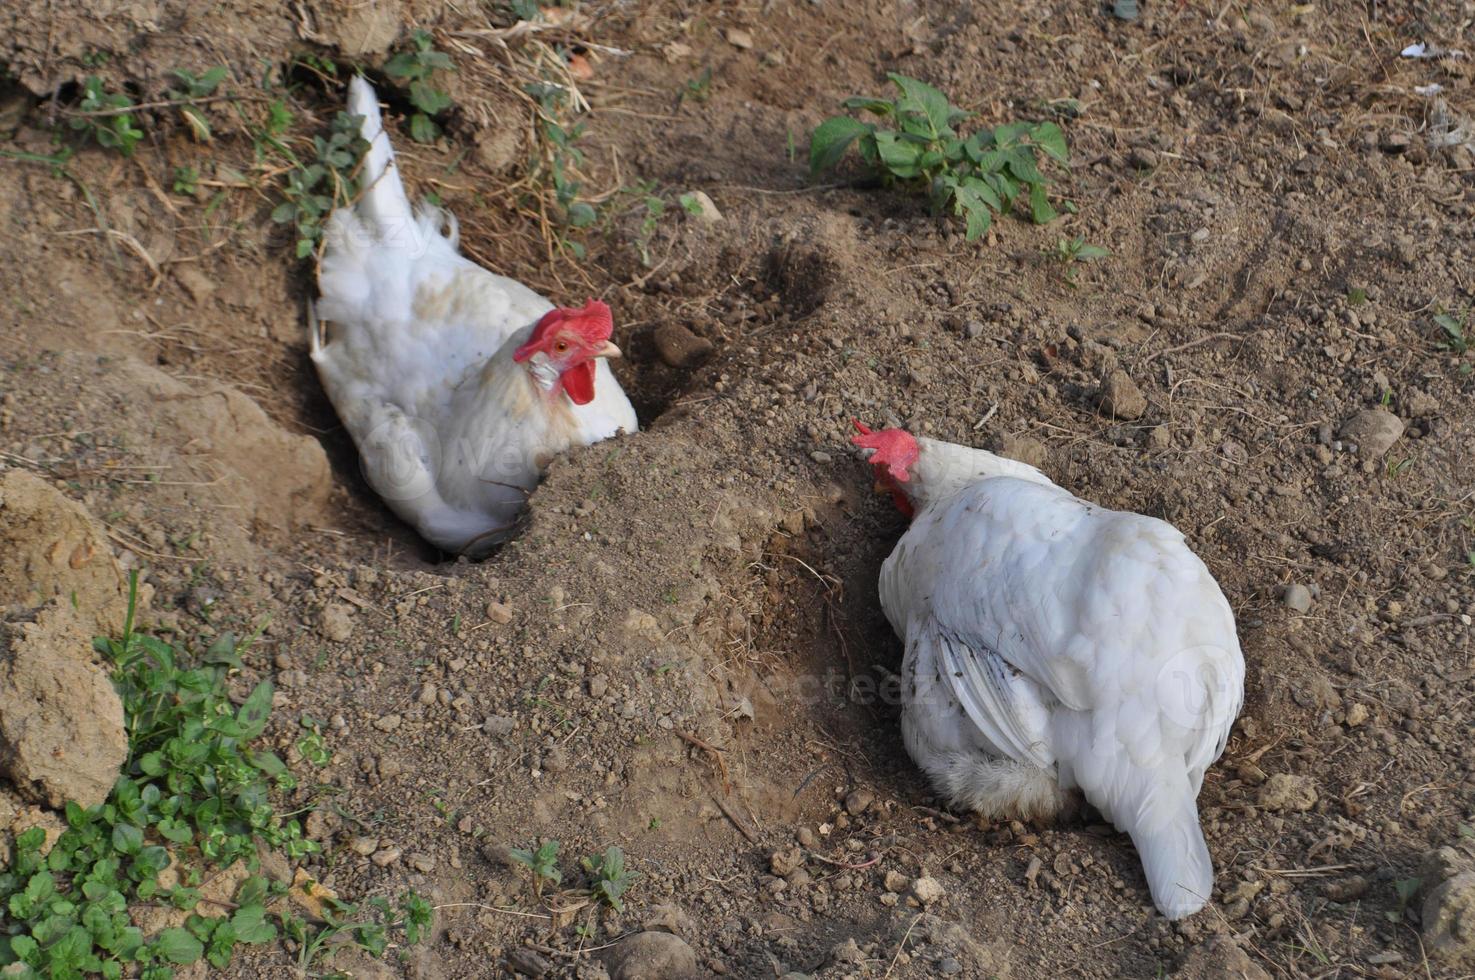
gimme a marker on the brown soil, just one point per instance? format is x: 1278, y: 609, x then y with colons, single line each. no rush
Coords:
x: 1285, y: 215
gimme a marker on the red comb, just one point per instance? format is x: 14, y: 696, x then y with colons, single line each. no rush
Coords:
x: 895, y: 449
x: 593, y: 321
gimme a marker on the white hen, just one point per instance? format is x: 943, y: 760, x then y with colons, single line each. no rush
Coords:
x: 1052, y: 644
x: 457, y: 385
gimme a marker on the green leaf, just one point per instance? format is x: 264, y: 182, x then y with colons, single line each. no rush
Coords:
x: 1049, y: 138
x: 899, y: 157
x: 920, y: 97
x: 177, y: 946
x: 127, y: 838
x: 830, y: 140
x: 423, y: 129
x: 581, y: 214
x: 1021, y: 163
x: 1127, y: 10
x: 428, y: 99
x: 880, y: 107
x: 255, y: 710
x: 1091, y: 253
x: 1040, y: 210
x: 250, y: 925
x: 984, y: 192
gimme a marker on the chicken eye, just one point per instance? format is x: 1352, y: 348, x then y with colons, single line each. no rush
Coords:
x: 561, y: 347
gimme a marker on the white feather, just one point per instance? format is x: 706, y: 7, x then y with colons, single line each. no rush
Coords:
x: 413, y: 344
x: 1052, y: 639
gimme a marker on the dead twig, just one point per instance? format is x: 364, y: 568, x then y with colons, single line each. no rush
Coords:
x: 714, y: 752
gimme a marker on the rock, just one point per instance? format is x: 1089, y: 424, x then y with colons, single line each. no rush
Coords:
x: 1288, y: 791
x: 1219, y: 958
x: 1373, y: 430
x: 739, y: 38
x: 928, y: 890
x: 196, y: 283
x: 51, y: 548
x: 700, y: 208
x: 670, y: 918
x: 386, y: 856
x: 679, y: 347
x: 1025, y: 450
x: 358, y: 29
x: 1121, y: 398
x: 1445, y: 862
x: 388, y: 723
x: 1297, y: 598
x: 973, y: 329
x: 1357, y: 714
x: 652, y: 956
x: 364, y: 846
x: 499, y: 613
x: 858, y: 800
x: 847, y: 953
x: 1346, y: 889
x: 1142, y: 158
x: 336, y: 622
x: 528, y: 963
x: 1449, y: 920
x: 895, y: 882
x: 782, y: 862
x: 498, y: 725
x: 61, y: 723
x: 639, y: 622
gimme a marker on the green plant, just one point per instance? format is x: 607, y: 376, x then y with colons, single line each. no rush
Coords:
x: 1406, y: 889
x: 654, y: 209
x: 311, y: 746
x: 416, y: 66
x: 610, y: 877
x: 560, y: 159
x: 193, y: 792
x: 698, y: 89
x: 977, y: 177
x: 186, y: 180
x: 367, y: 925
x: 543, y: 863
x: 193, y: 88
x: 1455, y: 339
x: 1070, y: 251
x: 107, y: 117
x: 313, y: 190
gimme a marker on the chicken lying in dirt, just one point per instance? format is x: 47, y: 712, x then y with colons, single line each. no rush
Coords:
x: 1054, y: 645
x: 457, y: 385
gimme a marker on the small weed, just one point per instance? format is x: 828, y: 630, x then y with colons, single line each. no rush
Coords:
x: 1396, y: 468
x: 610, y: 877
x: 1406, y: 889
x: 977, y: 177
x: 543, y: 863
x: 561, y: 158
x: 698, y: 89
x: 193, y: 88
x: 186, y: 180
x: 313, y: 190
x: 311, y: 746
x: 1356, y: 296
x: 193, y: 791
x: 1069, y: 252
x: 367, y: 925
x: 416, y: 66
x: 655, y: 208
x: 117, y: 130
x: 1453, y: 325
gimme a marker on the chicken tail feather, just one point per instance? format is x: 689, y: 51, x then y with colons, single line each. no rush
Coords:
x: 1156, y: 808
x: 383, y: 208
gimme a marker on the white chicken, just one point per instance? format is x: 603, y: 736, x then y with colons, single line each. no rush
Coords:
x: 1051, y: 645
x: 457, y: 385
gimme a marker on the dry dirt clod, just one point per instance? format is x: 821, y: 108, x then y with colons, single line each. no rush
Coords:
x: 928, y: 890
x: 1025, y: 449
x: 1121, y: 398
x: 1288, y: 791
x: 652, y: 956
x: 895, y: 882
x: 499, y: 613
x: 61, y: 722
x: 679, y: 347
x: 739, y: 38
x: 1219, y: 958
x: 858, y: 800
x: 336, y: 624
x: 528, y: 963
x: 359, y: 29
x: 1449, y: 920
x: 782, y: 862
x: 1373, y: 431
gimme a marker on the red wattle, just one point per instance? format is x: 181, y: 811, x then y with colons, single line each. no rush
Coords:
x: 578, y: 382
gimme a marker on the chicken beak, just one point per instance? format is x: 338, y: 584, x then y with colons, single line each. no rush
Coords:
x: 880, y: 488
x: 607, y: 350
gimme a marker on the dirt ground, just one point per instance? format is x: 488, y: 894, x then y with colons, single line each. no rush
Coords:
x: 1286, y: 214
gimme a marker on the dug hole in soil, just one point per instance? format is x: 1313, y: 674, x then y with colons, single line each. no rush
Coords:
x: 680, y: 656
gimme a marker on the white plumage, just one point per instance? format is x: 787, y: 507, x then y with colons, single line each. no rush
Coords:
x: 457, y: 385
x: 1052, y: 644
